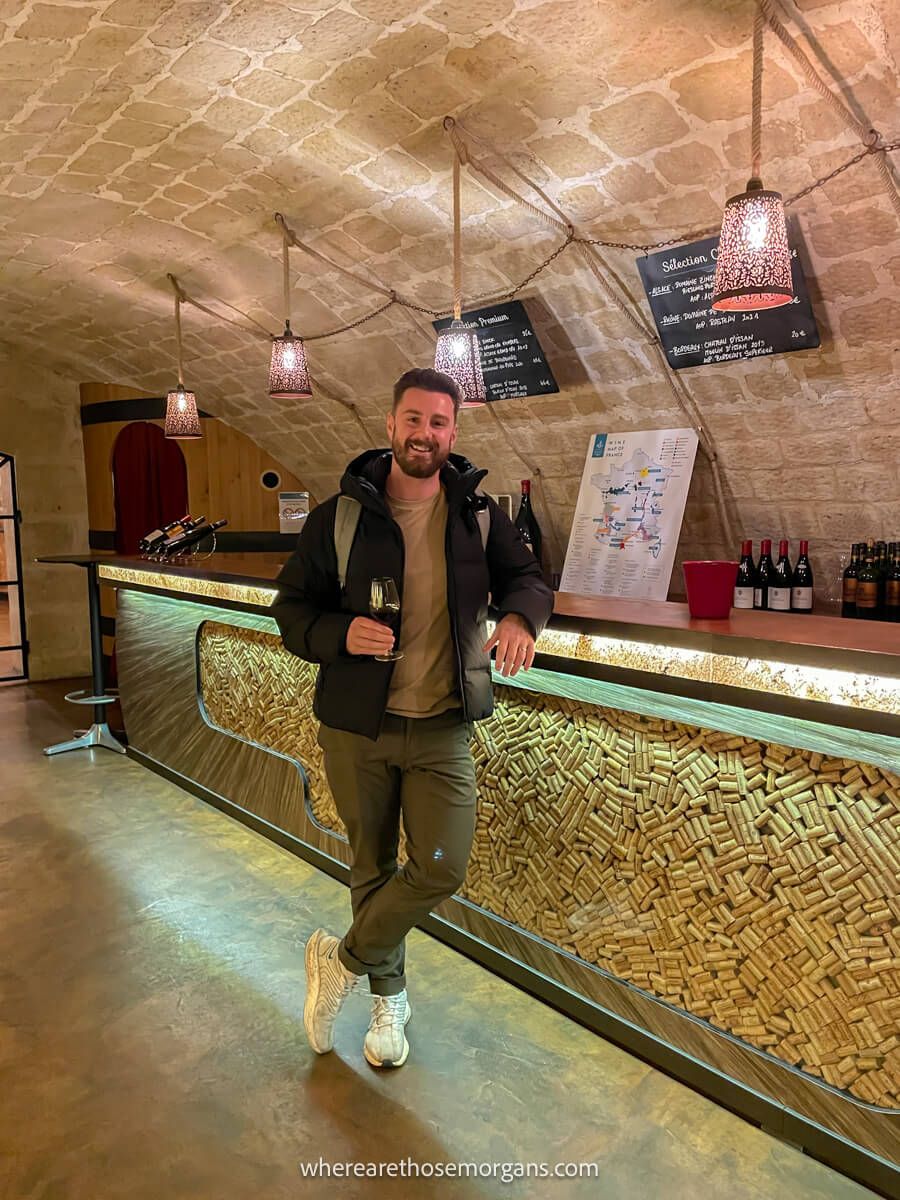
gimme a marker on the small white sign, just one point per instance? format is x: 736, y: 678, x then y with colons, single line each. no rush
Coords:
x: 293, y: 509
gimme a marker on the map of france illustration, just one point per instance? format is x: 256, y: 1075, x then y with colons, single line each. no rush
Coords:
x: 632, y: 503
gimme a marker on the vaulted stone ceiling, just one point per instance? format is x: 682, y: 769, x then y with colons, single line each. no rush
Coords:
x: 146, y: 136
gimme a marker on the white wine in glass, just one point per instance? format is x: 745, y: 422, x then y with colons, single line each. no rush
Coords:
x: 384, y: 605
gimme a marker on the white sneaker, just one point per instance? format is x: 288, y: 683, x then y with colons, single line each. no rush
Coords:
x: 328, y: 984
x: 386, y: 1044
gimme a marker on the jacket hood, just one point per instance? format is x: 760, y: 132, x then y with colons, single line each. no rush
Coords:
x: 365, y: 477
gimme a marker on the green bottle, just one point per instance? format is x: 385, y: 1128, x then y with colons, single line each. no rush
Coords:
x: 849, y: 583
x: 882, y: 566
x: 892, y: 590
x: 867, y: 587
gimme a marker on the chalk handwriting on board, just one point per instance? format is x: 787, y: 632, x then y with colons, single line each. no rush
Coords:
x: 679, y: 284
x: 511, y: 355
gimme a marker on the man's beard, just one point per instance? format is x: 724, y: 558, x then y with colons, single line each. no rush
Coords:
x: 418, y: 466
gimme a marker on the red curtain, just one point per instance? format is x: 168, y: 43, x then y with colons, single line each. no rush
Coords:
x: 149, y: 483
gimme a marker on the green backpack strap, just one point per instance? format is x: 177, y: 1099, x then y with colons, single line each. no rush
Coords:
x: 346, y: 519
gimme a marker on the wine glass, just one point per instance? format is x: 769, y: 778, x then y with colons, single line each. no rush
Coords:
x: 384, y: 605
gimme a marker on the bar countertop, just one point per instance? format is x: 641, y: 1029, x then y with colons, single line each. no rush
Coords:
x: 812, y: 640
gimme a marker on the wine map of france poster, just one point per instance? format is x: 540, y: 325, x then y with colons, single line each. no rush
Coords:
x: 629, y: 513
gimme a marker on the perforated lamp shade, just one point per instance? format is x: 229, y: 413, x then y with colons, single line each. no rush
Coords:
x: 182, y: 418
x: 457, y: 355
x: 288, y: 370
x: 753, y: 265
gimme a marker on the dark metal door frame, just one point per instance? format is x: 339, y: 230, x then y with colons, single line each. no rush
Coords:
x: 16, y: 518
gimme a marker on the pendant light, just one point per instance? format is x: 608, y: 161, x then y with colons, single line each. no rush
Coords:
x: 457, y: 353
x: 288, y: 369
x: 182, y: 418
x: 753, y: 264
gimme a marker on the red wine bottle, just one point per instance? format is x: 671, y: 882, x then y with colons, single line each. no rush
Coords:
x: 780, y: 584
x: 764, y: 573
x: 526, y: 522
x: 802, y: 582
x: 746, y: 577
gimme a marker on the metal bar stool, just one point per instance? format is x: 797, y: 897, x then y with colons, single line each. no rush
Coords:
x: 98, y: 696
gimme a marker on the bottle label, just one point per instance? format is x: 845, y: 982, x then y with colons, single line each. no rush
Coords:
x: 867, y: 593
x: 802, y: 599
x: 743, y: 597
x: 892, y: 593
x: 780, y: 599
x: 849, y: 592
x: 757, y: 597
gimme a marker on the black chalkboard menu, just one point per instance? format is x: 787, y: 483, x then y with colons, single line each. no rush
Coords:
x: 679, y: 284
x: 511, y: 356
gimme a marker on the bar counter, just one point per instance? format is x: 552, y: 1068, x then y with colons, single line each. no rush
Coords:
x: 688, y: 833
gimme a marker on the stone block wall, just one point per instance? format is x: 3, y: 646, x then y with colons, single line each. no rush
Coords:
x: 40, y: 428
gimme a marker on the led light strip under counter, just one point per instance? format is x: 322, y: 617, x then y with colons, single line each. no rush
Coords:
x: 875, y: 693
x: 186, y: 584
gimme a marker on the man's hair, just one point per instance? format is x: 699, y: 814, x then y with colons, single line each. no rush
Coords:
x: 428, y: 380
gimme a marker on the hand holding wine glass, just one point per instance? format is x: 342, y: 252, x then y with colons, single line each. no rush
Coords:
x: 384, y: 605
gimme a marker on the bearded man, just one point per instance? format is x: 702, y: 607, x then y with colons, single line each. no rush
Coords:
x: 396, y: 734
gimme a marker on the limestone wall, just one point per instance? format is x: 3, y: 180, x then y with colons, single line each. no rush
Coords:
x: 39, y: 426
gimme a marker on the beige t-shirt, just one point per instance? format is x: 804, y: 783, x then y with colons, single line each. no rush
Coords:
x: 424, y: 680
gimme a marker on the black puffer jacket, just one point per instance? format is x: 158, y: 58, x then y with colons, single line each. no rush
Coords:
x: 313, y: 616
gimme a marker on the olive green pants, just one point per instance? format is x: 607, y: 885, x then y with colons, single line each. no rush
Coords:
x: 422, y: 769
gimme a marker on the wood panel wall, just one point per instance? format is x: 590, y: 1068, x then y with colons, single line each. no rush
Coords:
x: 224, y: 469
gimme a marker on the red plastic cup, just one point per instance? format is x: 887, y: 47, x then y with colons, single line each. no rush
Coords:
x: 710, y: 588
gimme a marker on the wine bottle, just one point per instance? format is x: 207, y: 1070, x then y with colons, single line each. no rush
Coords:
x: 849, y: 582
x: 181, y: 541
x: 867, y: 587
x: 157, y: 536
x: 892, y: 589
x: 526, y: 522
x: 780, y: 583
x: 746, y: 577
x: 802, y: 582
x: 882, y: 565
x: 764, y: 572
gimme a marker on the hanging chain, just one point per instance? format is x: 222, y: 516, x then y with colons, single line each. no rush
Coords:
x: 315, y: 337
x: 883, y: 148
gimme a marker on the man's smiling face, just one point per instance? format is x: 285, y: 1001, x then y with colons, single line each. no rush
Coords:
x: 422, y: 429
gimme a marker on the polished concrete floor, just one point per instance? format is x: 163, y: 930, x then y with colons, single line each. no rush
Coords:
x: 151, y: 1045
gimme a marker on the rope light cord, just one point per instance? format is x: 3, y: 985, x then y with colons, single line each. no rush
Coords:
x: 768, y: 10
x: 286, y: 268
x: 457, y: 242
x: 178, y: 351
x: 871, y: 138
x: 317, y: 254
x: 756, y: 102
